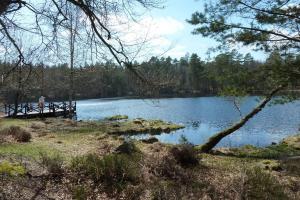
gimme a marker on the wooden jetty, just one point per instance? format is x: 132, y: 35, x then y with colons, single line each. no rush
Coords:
x: 32, y: 110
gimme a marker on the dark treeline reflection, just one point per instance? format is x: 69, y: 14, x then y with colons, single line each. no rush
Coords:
x: 187, y: 76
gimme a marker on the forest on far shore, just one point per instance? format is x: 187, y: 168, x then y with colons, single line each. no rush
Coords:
x: 168, y: 77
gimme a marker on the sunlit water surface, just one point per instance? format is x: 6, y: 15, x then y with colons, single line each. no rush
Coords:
x: 202, y: 117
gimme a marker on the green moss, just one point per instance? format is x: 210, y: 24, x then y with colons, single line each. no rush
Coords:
x: 10, y: 169
x: 270, y: 152
x: 230, y: 163
x: 4, y: 123
x: 27, y: 150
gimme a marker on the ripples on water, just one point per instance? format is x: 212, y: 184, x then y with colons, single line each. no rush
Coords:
x: 202, y: 117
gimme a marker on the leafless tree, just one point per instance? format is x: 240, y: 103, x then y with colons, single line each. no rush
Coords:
x: 34, y: 17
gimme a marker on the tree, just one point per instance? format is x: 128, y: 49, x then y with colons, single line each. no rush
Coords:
x: 44, y: 22
x: 267, y: 25
x: 183, y: 63
x: 195, y: 71
x: 72, y: 25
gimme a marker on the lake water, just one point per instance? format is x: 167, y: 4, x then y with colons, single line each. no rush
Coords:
x: 202, y: 117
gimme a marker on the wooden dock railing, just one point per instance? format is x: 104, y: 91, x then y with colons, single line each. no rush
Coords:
x: 29, y: 110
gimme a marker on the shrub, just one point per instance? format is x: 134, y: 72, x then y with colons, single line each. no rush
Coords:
x: 258, y: 184
x: 166, y: 190
x: 185, y: 155
x: 53, y: 163
x: 134, y: 192
x: 17, y: 133
x: 291, y: 166
x: 127, y: 147
x: 166, y: 166
x: 183, y: 140
x: 23, y: 136
x: 79, y: 193
x: 7, y: 168
x: 114, y: 170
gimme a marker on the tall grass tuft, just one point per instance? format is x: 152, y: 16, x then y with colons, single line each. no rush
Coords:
x: 114, y: 171
x: 18, y: 133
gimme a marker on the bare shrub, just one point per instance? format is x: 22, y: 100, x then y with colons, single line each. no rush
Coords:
x: 185, y: 155
x: 255, y: 183
x: 18, y: 133
x: 79, y: 193
x: 291, y: 166
x: 127, y: 147
x: 166, y: 166
x: 166, y: 190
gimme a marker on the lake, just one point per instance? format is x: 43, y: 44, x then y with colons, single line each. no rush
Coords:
x: 202, y: 117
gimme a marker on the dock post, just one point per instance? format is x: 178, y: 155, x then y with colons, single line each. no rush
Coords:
x: 9, y: 110
x: 26, y: 106
x: 65, y: 110
x: 53, y: 108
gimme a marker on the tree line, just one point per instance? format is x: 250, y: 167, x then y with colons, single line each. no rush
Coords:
x: 187, y: 76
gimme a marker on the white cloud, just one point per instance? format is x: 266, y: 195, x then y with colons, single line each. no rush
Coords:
x: 177, y: 51
x: 153, y: 32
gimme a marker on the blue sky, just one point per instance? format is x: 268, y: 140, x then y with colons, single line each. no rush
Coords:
x: 181, y: 38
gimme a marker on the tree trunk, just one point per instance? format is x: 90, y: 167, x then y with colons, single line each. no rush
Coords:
x: 71, y: 89
x: 18, y: 92
x: 72, y: 29
x: 215, y: 139
x: 16, y: 104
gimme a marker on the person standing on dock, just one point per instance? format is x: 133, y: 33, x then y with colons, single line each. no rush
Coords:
x: 41, y: 103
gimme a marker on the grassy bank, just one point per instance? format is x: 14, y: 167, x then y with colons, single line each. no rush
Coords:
x: 64, y: 159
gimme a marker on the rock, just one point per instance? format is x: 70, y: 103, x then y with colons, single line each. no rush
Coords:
x: 167, y: 130
x: 116, y: 125
x: 150, y: 140
x: 117, y: 117
x: 138, y: 121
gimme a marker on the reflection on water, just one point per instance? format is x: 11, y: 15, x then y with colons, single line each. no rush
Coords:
x: 202, y: 117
